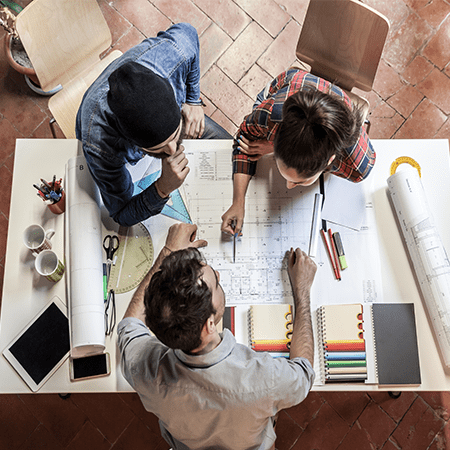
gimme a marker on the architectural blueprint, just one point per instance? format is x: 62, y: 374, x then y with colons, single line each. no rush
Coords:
x: 276, y: 219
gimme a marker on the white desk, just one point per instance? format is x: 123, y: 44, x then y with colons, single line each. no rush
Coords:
x: 25, y: 293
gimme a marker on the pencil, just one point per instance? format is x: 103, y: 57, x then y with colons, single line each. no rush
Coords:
x: 324, y: 236
x: 233, y: 225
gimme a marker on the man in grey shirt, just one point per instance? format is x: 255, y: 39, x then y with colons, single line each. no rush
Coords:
x: 207, y: 390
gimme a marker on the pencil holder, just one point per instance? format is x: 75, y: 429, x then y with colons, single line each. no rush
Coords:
x: 60, y: 206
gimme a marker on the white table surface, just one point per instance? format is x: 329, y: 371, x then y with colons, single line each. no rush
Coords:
x: 25, y: 293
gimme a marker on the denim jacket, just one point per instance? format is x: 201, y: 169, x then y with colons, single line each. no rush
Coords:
x: 174, y: 55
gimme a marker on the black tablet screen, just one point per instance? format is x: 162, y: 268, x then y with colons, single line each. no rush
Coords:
x: 43, y: 344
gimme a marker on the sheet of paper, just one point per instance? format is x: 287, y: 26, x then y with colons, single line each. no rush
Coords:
x: 344, y: 203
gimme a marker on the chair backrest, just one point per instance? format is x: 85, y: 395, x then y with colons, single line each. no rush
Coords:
x: 62, y: 38
x: 342, y: 41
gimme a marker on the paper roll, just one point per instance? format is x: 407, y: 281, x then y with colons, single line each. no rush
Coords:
x: 427, y: 252
x: 85, y: 260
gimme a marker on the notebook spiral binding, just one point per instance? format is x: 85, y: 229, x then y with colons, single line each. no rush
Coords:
x: 321, y: 330
x: 250, y: 328
x: 374, y: 347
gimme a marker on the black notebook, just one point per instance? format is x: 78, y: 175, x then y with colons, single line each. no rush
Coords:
x: 395, y: 342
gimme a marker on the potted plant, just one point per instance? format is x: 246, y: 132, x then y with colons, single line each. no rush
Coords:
x: 15, y: 53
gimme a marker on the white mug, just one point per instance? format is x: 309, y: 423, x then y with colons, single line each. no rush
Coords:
x: 37, y: 239
x: 48, y: 265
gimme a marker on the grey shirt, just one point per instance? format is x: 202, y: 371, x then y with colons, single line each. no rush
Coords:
x: 224, y: 399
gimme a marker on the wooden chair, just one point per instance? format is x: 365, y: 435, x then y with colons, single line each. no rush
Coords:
x: 342, y: 42
x: 64, y: 40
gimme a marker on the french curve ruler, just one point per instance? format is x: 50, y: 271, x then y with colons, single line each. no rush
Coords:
x: 132, y: 260
x: 405, y: 160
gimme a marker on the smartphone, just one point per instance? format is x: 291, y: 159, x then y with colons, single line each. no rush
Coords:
x: 92, y: 366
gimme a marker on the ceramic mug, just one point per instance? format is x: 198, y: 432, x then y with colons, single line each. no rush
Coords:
x: 49, y: 266
x: 37, y: 239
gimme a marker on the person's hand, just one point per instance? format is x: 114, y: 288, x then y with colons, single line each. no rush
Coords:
x: 254, y: 149
x: 194, y: 121
x: 182, y: 235
x: 301, y: 270
x: 234, y: 213
x: 174, y: 170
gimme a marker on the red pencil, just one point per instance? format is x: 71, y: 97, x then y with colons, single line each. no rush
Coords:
x: 324, y: 236
x: 333, y: 246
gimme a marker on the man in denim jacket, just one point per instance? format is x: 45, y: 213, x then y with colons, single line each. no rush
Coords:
x: 144, y: 102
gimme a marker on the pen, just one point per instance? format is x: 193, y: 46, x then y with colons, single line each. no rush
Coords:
x: 340, y: 250
x: 41, y: 192
x: 233, y: 225
x: 322, y: 191
x: 333, y: 247
x: 324, y: 236
x: 46, y: 184
x: 105, y: 282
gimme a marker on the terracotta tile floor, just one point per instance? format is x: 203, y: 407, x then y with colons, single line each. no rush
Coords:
x: 243, y: 44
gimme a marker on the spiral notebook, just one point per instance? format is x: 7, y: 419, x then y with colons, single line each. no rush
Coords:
x: 343, y: 347
x: 395, y: 344
x: 373, y: 343
x: 270, y: 327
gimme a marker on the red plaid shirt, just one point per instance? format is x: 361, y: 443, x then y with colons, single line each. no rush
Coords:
x: 265, y: 119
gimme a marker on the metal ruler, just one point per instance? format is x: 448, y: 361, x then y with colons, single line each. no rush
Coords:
x: 133, y: 258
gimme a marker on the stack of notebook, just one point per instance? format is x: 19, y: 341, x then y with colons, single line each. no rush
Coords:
x: 343, y: 347
x: 381, y: 348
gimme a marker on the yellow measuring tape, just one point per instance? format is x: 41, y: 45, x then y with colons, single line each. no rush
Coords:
x: 403, y: 160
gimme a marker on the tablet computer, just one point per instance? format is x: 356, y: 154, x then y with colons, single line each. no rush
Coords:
x: 42, y: 346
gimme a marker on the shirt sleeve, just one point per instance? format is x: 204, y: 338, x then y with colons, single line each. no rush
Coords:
x: 117, y: 190
x: 357, y: 161
x: 140, y: 351
x: 259, y: 124
x: 256, y: 126
x: 294, y: 379
x: 186, y: 38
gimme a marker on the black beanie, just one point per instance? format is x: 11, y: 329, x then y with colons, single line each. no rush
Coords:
x: 144, y: 105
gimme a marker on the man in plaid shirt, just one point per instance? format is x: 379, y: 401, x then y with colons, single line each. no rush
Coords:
x: 310, y: 125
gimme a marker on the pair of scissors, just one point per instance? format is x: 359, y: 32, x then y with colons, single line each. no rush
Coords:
x: 110, y: 244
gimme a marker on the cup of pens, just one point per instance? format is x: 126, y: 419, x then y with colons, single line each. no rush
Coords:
x: 52, y: 194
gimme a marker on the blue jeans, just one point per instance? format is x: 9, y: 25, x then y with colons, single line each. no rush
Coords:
x: 214, y: 131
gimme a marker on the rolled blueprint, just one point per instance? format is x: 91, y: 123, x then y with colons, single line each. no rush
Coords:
x: 426, y: 250
x: 85, y: 262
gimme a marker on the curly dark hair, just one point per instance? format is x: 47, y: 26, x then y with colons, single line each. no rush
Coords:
x: 177, y: 300
x: 315, y: 126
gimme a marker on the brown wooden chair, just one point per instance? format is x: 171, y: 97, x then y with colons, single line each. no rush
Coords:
x: 342, y: 42
x: 64, y: 40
